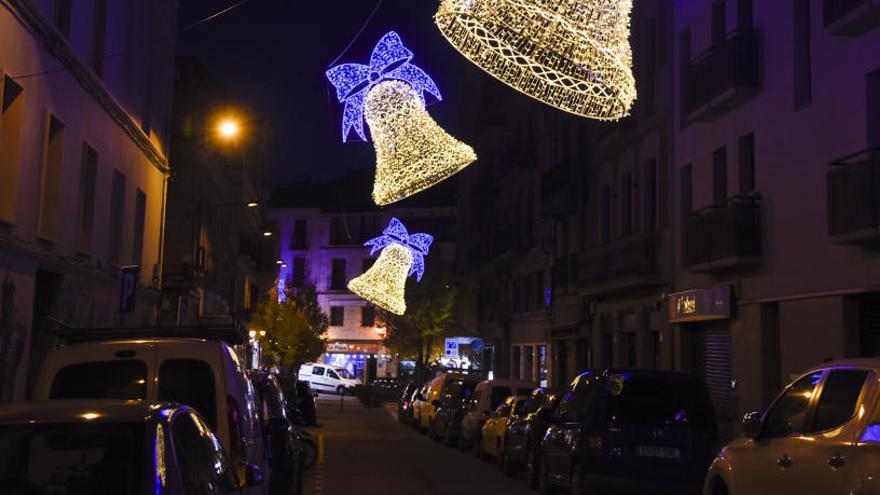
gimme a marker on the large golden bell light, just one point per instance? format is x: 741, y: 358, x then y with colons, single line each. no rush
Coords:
x: 412, y: 152
x: 570, y: 54
x: 384, y: 283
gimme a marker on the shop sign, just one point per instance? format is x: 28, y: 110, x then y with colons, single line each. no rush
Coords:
x: 700, y: 305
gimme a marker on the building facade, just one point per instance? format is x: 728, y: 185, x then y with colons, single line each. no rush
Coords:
x: 322, y: 229
x: 86, y: 92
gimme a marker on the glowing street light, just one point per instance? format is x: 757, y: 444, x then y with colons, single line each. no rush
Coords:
x: 253, y: 204
x: 228, y: 129
x: 267, y: 233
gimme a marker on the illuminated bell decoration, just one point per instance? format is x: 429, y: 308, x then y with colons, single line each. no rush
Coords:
x: 571, y: 54
x: 402, y: 255
x: 412, y: 152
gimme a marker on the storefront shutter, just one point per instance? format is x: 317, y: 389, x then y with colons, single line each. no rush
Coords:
x: 717, y: 370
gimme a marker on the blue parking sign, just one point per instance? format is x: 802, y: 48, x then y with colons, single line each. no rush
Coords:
x: 128, y: 288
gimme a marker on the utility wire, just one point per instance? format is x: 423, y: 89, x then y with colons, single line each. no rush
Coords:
x: 214, y: 15
x: 61, y: 69
x: 358, y: 34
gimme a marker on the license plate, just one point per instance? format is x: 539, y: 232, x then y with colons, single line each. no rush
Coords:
x: 661, y: 452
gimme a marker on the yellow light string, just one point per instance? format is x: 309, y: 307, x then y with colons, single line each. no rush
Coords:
x: 412, y: 151
x: 570, y: 54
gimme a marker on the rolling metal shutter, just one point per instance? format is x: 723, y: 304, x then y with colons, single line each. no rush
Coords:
x: 717, y: 369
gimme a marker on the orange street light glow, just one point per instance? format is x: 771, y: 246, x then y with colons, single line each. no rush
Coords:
x: 228, y: 128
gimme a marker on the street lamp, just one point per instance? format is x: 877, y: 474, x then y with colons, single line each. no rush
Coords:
x: 253, y: 204
x: 228, y: 128
x: 267, y: 233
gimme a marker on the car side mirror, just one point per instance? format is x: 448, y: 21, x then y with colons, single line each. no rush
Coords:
x: 253, y: 475
x: 752, y: 424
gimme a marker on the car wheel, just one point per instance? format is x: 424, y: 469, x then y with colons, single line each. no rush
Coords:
x: 532, y: 468
x: 447, y: 437
x: 462, y: 443
x: 340, y: 390
x: 544, y: 486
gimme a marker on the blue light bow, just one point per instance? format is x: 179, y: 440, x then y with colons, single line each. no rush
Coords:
x: 390, y: 61
x: 418, y: 245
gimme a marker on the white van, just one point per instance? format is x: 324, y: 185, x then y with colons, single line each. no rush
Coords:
x: 327, y: 378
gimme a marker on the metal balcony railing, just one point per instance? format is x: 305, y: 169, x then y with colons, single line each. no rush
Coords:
x: 724, y: 236
x: 722, y: 76
x: 854, y: 198
x: 632, y: 258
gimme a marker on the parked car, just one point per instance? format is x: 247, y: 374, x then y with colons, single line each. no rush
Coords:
x: 326, y: 377
x: 426, y: 406
x: 132, y: 447
x: 419, y: 402
x: 204, y: 374
x: 387, y: 386
x: 492, y: 433
x: 448, y: 410
x: 281, y: 438
x: 525, y: 432
x: 624, y: 431
x: 306, y: 405
x: 488, y: 395
x: 820, y: 435
x: 404, y: 403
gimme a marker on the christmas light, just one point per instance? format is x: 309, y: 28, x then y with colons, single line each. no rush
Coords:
x: 390, y: 61
x: 401, y: 255
x: 412, y: 152
x: 570, y: 54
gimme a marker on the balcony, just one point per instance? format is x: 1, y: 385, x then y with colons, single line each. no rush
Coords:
x: 850, y: 17
x: 724, y: 236
x: 723, y: 76
x: 854, y: 198
x: 624, y: 264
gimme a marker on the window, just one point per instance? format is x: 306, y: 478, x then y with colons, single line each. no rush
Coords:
x: 318, y: 370
x: 190, y: 382
x: 337, y: 281
x: 650, y: 195
x: 337, y: 316
x: 332, y: 374
x: 839, y: 399
x: 626, y: 224
x: 204, y: 466
x: 62, y: 17
x: 516, y: 363
x: 10, y: 137
x: 686, y: 202
x: 99, y: 33
x: 788, y: 414
x: 140, y: 214
x: 339, y: 231
x: 368, y: 316
x: 122, y: 379
x: 50, y: 179
x: 719, y: 175
x: 747, y: 163
x: 718, y: 22
x: 298, y: 239
x: 117, y: 216
x: 803, y: 77
x: 86, y: 212
x: 299, y: 272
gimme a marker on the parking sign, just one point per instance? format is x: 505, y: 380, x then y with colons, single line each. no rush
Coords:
x: 451, y: 348
x: 127, y: 288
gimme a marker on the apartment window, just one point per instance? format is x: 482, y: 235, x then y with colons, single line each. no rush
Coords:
x: 62, y: 16
x: 117, y: 216
x: 86, y: 210
x: 337, y: 316
x: 299, y: 272
x: 99, y: 33
x: 626, y: 200
x: 10, y: 141
x: 718, y: 22
x: 50, y: 179
x: 605, y: 213
x: 873, y: 108
x: 140, y: 216
x: 298, y: 238
x: 747, y: 163
x: 368, y: 316
x: 337, y: 280
x: 803, y: 72
x: 719, y: 175
x: 650, y: 194
x: 516, y: 363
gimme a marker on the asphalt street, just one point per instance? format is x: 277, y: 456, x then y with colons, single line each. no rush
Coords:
x: 366, y: 451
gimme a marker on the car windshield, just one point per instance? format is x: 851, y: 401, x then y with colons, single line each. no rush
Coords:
x: 657, y: 401
x: 71, y: 459
x: 123, y: 379
x: 344, y: 374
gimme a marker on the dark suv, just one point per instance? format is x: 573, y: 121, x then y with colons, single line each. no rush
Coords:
x: 447, y: 418
x: 525, y: 432
x: 629, y: 431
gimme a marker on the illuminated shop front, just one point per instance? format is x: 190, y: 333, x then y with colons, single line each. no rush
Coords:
x: 364, y: 360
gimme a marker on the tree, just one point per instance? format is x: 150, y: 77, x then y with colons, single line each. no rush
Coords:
x: 295, y: 327
x: 430, y: 309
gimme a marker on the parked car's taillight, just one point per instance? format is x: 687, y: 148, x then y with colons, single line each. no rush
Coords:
x: 235, y: 431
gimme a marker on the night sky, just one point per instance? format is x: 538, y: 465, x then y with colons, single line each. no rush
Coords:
x: 272, y: 54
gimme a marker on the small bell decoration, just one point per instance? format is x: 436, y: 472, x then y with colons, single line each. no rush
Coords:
x: 413, y: 153
x: 570, y: 54
x: 402, y: 255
